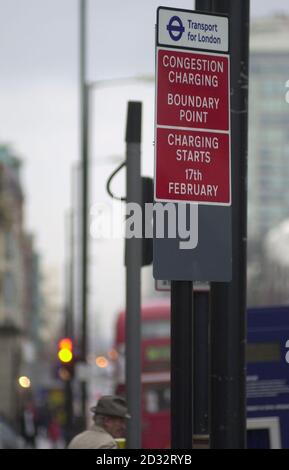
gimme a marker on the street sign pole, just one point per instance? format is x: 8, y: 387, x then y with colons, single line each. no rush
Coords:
x: 133, y: 279
x: 201, y: 365
x: 181, y: 365
x: 228, y: 301
x: 204, y: 5
x: 201, y: 340
x: 192, y: 165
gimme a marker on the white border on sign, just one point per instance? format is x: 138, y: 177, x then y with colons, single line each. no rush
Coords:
x: 166, y: 13
x: 201, y: 203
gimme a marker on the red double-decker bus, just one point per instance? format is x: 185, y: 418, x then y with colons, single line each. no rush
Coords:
x: 155, y: 376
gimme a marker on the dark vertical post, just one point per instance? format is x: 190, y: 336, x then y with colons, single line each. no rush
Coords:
x: 68, y: 327
x: 70, y: 319
x: 201, y: 335
x: 133, y: 280
x: 181, y: 365
x: 84, y: 173
x: 228, y: 301
x: 201, y: 366
x: 204, y: 5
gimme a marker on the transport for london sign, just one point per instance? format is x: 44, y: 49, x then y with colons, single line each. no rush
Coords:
x: 192, y: 153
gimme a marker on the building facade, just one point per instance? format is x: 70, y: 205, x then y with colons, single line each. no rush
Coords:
x: 268, y: 126
x: 19, y: 284
x: 268, y: 158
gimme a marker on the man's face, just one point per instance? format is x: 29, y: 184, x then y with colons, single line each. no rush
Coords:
x: 115, y: 426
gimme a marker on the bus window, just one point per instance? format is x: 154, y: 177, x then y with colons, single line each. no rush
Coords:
x: 157, y: 398
x: 151, y: 402
x: 156, y: 356
x: 155, y: 329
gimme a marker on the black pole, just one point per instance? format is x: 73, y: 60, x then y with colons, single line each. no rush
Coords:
x: 84, y: 178
x: 201, y: 341
x: 181, y: 365
x: 133, y: 278
x: 204, y: 5
x: 201, y: 367
x: 228, y: 301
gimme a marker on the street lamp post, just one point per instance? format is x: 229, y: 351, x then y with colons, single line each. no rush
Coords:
x: 85, y: 89
x: 84, y: 191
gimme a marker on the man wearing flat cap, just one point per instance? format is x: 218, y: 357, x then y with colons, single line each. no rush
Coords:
x: 109, y: 417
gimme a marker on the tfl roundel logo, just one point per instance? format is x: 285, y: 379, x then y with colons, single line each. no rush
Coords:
x: 175, y: 28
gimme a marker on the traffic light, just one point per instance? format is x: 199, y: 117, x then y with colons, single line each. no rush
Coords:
x: 66, y: 359
x: 147, y: 243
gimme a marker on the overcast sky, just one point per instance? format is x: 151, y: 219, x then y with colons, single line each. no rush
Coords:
x: 39, y: 93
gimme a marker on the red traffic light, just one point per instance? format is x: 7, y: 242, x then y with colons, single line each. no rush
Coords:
x: 65, y: 343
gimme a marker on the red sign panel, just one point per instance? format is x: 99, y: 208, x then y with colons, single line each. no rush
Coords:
x: 193, y: 127
x: 195, y: 166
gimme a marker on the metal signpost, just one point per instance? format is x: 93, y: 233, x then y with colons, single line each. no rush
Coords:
x: 228, y: 301
x: 192, y: 165
x: 133, y: 278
